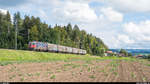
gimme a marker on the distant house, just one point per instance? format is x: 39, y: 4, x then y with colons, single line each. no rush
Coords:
x: 108, y: 53
x: 139, y: 56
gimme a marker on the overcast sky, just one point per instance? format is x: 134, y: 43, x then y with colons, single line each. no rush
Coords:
x: 119, y: 23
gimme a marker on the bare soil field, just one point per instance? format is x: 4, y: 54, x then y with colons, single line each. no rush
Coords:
x: 77, y: 71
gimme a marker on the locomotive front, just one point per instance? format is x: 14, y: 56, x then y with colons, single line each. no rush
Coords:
x: 32, y: 45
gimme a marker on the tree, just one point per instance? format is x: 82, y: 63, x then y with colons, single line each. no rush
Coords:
x: 26, y: 27
x: 148, y: 57
x: 130, y: 54
x: 124, y: 52
x: 76, y: 36
x: 34, y: 33
x: 8, y: 19
x: 18, y: 27
x: 69, y: 30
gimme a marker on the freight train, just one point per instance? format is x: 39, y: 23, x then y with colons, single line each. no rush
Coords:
x: 48, y: 47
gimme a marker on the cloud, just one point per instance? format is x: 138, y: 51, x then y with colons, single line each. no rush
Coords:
x: 130, y: 5
x: 77, y: 12
x: 112, y: 15
x: 85, y: 1
x: 125, y: 39
x: 3, y: 11
x: 140, y: 31
x: 136, y: 35
x: 106, y: 26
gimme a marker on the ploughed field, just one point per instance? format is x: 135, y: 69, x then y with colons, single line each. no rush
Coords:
x: 70, y: 68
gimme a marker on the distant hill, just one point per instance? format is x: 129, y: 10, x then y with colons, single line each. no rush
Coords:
x: 134, y: 51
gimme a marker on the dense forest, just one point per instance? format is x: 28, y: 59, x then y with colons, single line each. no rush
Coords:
x: 33, y: 29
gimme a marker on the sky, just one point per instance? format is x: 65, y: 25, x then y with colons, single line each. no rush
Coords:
x: 119, y: 23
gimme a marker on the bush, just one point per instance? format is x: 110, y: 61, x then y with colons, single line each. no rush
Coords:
x: 148, y: 57
x: 130, y: 54
x: 123, y: 51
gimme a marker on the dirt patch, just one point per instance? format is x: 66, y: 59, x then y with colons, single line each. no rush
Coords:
x: 76, y: 71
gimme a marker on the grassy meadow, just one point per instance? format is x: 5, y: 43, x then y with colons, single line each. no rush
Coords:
x: 8, y: 56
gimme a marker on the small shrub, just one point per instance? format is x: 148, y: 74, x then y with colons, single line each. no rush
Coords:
x: 53, y: 77
x: 144, y: 79
x: 22, y: 79
x: 10, y: 77
x: 102, y: 70
x: 58, y: 70
x: 29, y: 74
x: 11, y: 70
x: 133, y: 75
x: 89, y: 69
x: 113, y: 69
x: 68, y: 64
x: 5, y: 63
x: 66, y: 60
x: 115, y: 73
x: 92, y: 76
x: 75, y: 66
x: 49, y: 72
x: 89, y: 62
x: 97, y: 67
x: 81, y: 70
x: 105, y: 74
x: 48, y: 69
x: 147, y: 64
x: 85, y: 65
x: 20, y: 74
x: 38, y: 74
x: 73, y: 73
x: 65, y: 69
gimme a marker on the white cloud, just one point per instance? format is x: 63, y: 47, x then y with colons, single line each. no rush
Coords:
x: 3, y: 11
x: 106, y: 26
x: 125, y: 39
x: 78, y: 12
x: 85, y: 1
x: 139, y: 31
x: 130, y: 5
x: 112, y: 15
x: 136, y: 35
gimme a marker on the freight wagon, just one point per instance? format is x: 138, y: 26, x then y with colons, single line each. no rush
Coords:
x: 42, y: 46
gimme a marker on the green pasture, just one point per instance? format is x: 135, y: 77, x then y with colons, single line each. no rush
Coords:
x: 8, y: 56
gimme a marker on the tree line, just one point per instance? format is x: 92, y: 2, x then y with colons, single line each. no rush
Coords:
x: 33, y: 29
x: 123, y: 51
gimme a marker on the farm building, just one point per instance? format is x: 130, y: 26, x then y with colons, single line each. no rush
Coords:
x: 139, y: 56
x: 108, y: 53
